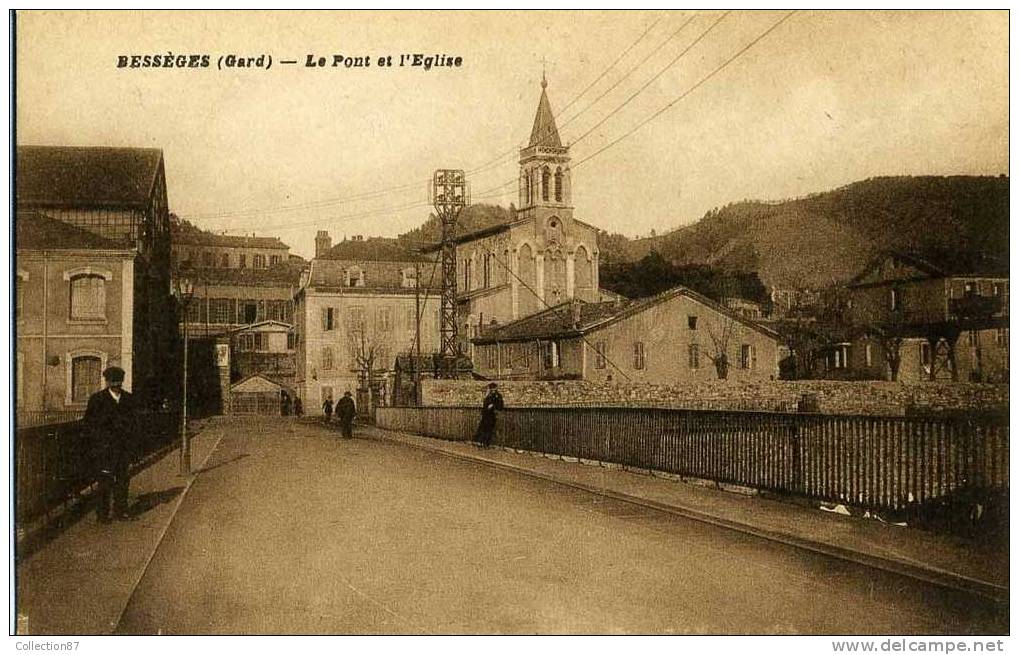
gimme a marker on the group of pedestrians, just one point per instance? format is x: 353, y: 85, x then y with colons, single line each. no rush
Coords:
x: 345, y: 413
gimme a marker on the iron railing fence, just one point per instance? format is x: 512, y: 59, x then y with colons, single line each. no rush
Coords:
x: 883, y: 463
x: 54, y: 463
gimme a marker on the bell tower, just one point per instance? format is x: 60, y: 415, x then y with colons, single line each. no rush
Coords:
x: 545, y: 189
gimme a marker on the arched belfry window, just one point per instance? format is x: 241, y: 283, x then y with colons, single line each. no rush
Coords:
x: 527, y: 188
x: 546, y: 178
x: 559, y: 185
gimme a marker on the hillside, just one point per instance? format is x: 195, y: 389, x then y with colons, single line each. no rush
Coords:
x: 829, y: 237
x: 818, y: 240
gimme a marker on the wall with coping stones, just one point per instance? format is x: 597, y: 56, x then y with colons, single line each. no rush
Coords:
x: 833, y: 397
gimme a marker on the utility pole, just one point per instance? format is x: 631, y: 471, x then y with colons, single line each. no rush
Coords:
x: 450, y: 194
x: 416, y: 357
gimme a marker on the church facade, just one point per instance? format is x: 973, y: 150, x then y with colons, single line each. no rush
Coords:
x: 543, y: 258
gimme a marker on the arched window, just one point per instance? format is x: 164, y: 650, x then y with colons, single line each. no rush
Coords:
x: 559, y: 185
x: 527, y: 187
x: 88, y: 297
x: 546, y: 178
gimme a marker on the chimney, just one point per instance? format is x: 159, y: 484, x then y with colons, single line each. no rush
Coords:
x: 575, y: 307
x: 323, y: 242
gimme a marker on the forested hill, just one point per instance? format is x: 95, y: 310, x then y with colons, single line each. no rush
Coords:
x: 817, y: 240
x: 829, y: 237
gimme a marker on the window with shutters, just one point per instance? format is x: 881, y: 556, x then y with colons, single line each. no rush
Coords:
x: 599, y: 354
x: 748, y: 356
x: 258, y: 261
x: 328, y: 319
x: 638, y: 355
x: 355, y: 277
x: 224, y: 261
x: 86, y: 375
x: 88, y: 298
x: 549, y: 354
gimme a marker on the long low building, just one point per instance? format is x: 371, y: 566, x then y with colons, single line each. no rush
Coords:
x: 675, y: 336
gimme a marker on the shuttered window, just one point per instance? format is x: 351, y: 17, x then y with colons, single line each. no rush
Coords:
x: 85, y: 374
x: 88, y: 297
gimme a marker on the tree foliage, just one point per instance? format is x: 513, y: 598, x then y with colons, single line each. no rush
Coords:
x: 653, y: 274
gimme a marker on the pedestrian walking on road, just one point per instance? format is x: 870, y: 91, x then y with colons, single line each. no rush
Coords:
x: 327, y: 409
x: 109, y: 423
x: 486, y: 428
x: 345, y: 412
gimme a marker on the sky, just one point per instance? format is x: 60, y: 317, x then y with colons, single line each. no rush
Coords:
x: 657, y: 136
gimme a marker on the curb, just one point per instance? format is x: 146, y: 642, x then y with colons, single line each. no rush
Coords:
x: 932, y: 575
x: 162, y: 534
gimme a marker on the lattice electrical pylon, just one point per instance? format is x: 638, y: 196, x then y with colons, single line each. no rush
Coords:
x: 450, y: 193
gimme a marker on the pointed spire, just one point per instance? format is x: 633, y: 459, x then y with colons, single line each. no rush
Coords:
x: 544, y: 132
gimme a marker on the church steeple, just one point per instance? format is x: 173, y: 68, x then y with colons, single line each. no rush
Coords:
x: 544, y: 132
x: 545, y: 166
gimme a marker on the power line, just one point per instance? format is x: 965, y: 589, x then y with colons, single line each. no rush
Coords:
x: 656, y: 76
x: 686, y: 93
x: 318, y: 204
x: 639, y: 64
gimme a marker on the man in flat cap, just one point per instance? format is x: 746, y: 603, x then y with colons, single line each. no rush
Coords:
x: 109, y: 419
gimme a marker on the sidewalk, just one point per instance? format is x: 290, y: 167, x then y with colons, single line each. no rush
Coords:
x: 939, y: 559
x: 81, y: 580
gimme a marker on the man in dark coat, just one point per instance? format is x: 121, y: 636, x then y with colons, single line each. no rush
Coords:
x: 345, y: 412
x: 327, y: 409
x: 110, y: 421
x: 486, y: 429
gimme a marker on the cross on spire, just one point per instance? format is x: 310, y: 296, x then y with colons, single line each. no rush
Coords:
x: 544, y: 82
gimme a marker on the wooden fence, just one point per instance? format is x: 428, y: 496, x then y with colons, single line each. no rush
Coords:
x: 883, y: 463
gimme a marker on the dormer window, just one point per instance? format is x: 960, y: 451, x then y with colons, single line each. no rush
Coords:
x: 355, y: 277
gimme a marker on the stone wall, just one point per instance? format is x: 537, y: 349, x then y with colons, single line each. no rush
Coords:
x: 832, y: 397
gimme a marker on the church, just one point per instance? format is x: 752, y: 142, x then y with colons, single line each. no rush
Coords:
x: 543, y: 258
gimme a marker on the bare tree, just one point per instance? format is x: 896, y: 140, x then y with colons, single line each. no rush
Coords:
x: 720, y: 341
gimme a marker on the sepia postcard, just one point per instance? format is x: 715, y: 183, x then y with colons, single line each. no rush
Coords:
x: 663, y: 322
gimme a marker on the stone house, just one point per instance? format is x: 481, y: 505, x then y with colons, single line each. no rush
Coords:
x: 358, y: 307
x: 676, y: 336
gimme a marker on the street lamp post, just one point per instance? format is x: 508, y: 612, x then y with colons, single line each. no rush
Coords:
x: 184, y: 291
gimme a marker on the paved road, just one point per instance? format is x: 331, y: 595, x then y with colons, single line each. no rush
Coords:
x: 290, y: 530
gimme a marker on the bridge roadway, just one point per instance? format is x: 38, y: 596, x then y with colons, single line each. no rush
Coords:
x: 291, y: 530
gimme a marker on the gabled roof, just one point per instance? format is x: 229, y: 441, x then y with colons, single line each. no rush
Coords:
x: 374, y: 249
x: 544, y: 132
x: 36, y: 231
x: 223, y: 240
x: 958, y: 264
x: 558, y: 321
x: 59, y: 176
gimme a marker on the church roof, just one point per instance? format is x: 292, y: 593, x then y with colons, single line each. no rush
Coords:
x: 544, y: 132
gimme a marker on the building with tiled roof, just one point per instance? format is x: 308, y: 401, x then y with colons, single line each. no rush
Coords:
x: 93, y: 275
x: 925, y: 321
x: 362, y: 303
x: 675, y: 336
